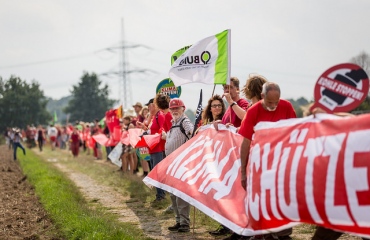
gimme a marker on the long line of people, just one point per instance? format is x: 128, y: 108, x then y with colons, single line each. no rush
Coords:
x: 166, y: 117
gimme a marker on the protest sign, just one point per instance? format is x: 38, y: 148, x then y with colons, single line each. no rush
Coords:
x: 143, y: 153
x: 115, y: 155
x: 207, y: 61
x: 312, y: 170
x: 167, y: 87
x: 341, y: 88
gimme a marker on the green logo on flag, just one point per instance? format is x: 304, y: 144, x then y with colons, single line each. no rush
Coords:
x: 206, y: 56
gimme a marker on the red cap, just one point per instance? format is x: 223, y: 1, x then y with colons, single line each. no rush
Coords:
x: 176, y: 102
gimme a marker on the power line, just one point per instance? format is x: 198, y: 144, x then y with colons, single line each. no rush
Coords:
x: 47, y: 61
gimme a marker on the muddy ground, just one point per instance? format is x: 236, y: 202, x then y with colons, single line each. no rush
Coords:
x: 21, y: 214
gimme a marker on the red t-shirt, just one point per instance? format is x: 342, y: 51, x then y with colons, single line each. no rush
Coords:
x: 155, y: 127
x: 257, y: 114
x: 167, y: 124
x: 74, y: 137
x: 234, y: 119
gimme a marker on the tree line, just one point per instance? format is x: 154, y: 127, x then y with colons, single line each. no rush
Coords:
x: 23, y: 104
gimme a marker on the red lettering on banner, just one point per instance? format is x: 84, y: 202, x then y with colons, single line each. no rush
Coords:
x: 313, y: 170
x: 315, y: 151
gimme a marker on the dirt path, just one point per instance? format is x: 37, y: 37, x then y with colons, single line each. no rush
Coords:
x: 118, y: 204
x: 21, y: 214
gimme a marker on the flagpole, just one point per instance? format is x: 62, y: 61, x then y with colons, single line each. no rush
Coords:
x: 213, y: 89
x: 230, y: 105
x: 193, y: 220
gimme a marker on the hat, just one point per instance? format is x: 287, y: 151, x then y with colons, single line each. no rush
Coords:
x: 130, y: 112
x: 176, y: 102
x: 137, y: 105
x: 16, y: 129
x: 150, y: 101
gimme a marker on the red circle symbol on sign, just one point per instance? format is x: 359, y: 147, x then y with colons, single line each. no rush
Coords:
x: 341, y: 88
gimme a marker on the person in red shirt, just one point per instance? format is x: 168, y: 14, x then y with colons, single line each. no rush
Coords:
x: 75, y: 142
x: 158, y: 124
x: 237, y: 106
x: 271, y: 109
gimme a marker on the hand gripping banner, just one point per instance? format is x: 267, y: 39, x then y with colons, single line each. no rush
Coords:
x: 313, y: 170
x: 205, y: 172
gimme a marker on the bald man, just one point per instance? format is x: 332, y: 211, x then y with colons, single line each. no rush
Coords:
x: 270, y: 109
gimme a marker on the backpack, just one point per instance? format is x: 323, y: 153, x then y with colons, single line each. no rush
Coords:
x: 182, y: 129
x: 156, y: 116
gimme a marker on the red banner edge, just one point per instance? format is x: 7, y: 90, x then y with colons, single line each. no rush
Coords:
x: 212, y: 214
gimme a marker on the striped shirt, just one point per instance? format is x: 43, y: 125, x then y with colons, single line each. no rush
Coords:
x: 175, y: 138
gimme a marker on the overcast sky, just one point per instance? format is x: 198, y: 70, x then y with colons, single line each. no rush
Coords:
x: 289, y: 42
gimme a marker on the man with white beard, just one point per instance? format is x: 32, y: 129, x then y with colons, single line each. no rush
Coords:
x: 180, y: 132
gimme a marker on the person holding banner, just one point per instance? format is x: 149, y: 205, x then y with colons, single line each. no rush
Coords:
x: 156, y: 126
x: 127, y: 159
x: 214, y: 111
x: 271, y: 109
x: 180, y: 131
x: 252, y: 90
x: 144, y: 113
x: 237, y: 106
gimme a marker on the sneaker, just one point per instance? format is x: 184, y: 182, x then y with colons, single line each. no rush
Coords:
x: 175, y: 227
x: 184, y: 228
x: 221, y: 231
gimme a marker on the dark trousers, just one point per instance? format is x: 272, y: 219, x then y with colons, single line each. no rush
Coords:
x: 156, y: 158
x: 15, y: 146
x: 41, y: 142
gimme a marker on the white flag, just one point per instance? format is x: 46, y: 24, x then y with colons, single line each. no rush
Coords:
x: 207, y: 61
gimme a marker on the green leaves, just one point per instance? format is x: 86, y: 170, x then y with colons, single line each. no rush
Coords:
x: 21, y: 103
x: 90, y: 100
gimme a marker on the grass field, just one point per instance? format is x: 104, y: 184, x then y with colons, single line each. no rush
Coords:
x: 73, y: 216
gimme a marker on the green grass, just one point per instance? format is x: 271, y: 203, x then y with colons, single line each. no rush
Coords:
x: 67, y: 207
x: 127, y: 185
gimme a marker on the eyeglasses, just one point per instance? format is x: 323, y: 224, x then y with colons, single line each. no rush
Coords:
x: 216, y: 106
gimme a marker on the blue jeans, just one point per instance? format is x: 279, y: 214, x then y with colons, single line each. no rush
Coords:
x: 156, y: 158
x: 15, y: 146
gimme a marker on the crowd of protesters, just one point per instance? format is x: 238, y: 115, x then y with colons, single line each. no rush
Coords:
x: 165, y: 116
